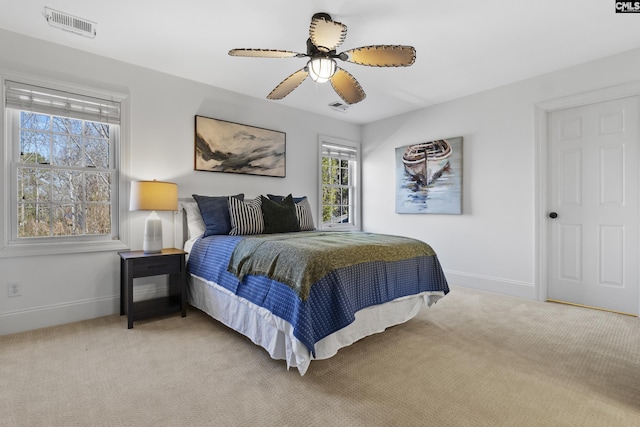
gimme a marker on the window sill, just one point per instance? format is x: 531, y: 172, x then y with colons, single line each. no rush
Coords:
x: 15, y: 250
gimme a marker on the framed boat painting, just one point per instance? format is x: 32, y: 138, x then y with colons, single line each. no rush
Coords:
x: 429, y: 177
x: 222, y: 146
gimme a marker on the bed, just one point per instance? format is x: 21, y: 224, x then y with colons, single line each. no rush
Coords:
x: 300, y: 293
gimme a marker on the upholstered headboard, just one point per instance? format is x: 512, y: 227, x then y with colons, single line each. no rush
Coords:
x: 180, y: 228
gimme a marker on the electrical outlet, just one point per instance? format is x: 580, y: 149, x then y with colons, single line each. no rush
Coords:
x: 15, y: 289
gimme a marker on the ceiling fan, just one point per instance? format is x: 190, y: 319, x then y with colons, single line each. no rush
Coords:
x: 325, y: 35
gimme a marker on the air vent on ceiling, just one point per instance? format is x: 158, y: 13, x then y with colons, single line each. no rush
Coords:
x: 71, y: 23
x: 338, y: 106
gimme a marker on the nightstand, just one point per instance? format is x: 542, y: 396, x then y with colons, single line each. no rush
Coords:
x: 139, y: 264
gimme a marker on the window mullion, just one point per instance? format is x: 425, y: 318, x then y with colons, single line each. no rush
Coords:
x: 84, y: 205
x: 50, y: 181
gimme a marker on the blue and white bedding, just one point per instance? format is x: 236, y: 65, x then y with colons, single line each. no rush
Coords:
x: 334, y: 301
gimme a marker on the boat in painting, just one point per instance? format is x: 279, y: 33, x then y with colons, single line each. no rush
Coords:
x: 426, y: 161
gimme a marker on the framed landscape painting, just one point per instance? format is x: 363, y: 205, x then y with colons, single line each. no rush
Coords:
x: 222, y: 146
x: 429, y: 177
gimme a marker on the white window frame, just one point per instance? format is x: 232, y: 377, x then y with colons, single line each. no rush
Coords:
x: 10, y: 246
x: 354, y: 178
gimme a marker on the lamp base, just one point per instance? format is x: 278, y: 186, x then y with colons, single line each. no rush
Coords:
x: 152, y: 243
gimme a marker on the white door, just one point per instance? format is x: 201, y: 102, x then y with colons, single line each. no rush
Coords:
x: 593, y: 205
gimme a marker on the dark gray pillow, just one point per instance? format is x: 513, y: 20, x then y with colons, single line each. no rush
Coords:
x: 303, y: 210
x: 276, y: 198
x: 279, y: 217
x: 215, y: 213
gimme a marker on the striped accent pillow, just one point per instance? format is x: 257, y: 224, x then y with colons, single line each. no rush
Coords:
x: 305, y: 217
x: 246, y: 216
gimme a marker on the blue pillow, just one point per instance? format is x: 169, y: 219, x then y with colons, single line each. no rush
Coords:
x: 215, y: 213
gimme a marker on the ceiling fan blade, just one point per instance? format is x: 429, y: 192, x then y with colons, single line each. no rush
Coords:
x: 326, y: 34
x: 347, y: 87
x: 265, y: 53
x: 381, y: 56
x: 288, y: 85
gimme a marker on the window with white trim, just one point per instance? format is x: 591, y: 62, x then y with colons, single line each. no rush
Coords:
x: 339, y: 184
x: 63, y: 168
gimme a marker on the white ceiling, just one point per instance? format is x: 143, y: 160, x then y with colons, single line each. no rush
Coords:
x: 463, y: 46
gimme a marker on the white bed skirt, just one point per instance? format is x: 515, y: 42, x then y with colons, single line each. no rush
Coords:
x: 275, y: 334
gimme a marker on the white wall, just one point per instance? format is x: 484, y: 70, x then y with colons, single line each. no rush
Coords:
x: 492, y: 245
x: 65, y: 288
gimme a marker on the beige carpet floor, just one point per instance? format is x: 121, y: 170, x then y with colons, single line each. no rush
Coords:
x: 473, y: 359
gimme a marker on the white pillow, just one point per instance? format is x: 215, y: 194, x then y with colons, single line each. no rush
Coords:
x: 195, y: 224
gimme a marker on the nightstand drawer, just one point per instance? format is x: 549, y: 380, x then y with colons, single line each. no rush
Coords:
x: 154, y: 266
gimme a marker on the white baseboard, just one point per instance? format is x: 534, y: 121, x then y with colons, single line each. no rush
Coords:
x: 74, y: 311
x: 491, y: 284
x: 58, y: 314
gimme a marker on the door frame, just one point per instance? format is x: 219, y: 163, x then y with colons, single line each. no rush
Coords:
x: 541, y: 182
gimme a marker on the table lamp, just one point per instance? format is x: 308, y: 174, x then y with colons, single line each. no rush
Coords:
x: 153, y: 196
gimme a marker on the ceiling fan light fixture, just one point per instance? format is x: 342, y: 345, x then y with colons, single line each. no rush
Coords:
x: 321, y: 69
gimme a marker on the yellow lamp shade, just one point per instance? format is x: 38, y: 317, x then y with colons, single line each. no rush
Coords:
x: 153, y: 196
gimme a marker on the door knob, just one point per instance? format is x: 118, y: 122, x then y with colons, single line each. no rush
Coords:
x: 553, y: 215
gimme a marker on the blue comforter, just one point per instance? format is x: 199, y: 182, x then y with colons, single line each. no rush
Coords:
x: 333, y: 300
